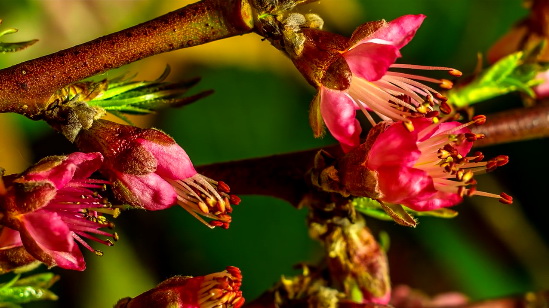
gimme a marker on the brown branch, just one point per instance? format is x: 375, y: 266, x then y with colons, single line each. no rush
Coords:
x: 25, y: 88
x: 281, y: 176
x: 515, y: 125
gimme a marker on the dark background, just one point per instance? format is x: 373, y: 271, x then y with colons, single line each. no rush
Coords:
x: 260, y: 108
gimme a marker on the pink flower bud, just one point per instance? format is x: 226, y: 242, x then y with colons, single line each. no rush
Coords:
x: 150, y: 170
x: 215, y: 290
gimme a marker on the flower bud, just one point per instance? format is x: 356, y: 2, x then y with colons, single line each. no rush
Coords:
x: 149, y: 170
x: 215, y: 290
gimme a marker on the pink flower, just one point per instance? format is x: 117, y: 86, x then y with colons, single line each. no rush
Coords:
x: 429, y: 168
x: 52, y: 206
x: 215, y: 290
x: 357, y: 77
x: 150, y: 170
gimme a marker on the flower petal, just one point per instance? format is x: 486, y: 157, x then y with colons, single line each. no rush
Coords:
x: 76, y: 165
x: 9, y: 238
x: 370, y: 60
x: 47, y: 238
x: 439, y: 200
x: 173, y: 161
x: 404, y: 185
x: 151, y: 190
x: 397, y: 32
x: 47, y: 229
x: 338, y: 112
x: 396, y: 146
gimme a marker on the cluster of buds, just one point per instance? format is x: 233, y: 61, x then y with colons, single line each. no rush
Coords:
x: 357, y: 264
x: 149, y: 170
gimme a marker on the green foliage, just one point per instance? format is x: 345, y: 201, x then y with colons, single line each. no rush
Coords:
x: 512, y: 73
x: 32, y: 288
x: 124, y: 96
x: 399, y: 213
x: 13, y: 47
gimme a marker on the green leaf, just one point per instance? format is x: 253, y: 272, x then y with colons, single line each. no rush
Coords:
x: 13, y: 47
x: 511, y: 73
x: 375, y: 209
x: 32, y: 288
x: 144, y: 97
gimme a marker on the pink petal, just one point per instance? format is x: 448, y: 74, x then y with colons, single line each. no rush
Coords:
x: 437, y: 201
x: 371, y: 61
x: 396, y: 146
x: 77, y: 165
x: 173, y: 161
x: 73, y: 260
x: 154, y: 192
x: 397, y: 32
x: 47, y: 229
x: 401, y: 185
x: 9, y: 238
x: 47, y: 238
x: 338, y: 112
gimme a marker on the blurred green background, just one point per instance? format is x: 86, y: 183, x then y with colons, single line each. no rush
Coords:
x: 260, y: 108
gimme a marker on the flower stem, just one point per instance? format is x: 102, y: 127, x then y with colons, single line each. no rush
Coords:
x: 515, y: 125
x: 26, y: 87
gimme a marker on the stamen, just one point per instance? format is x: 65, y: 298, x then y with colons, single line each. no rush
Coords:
x: 221, y: 289
x: 200, y: 195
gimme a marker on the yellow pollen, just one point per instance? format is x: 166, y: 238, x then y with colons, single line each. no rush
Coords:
x: 409, y: 126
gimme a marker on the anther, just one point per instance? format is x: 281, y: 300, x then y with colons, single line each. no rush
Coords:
x: 203, y: 207
x: 432, y: 114
x: 239, y: 303
x: 467, y: 176
x: 478, y: 156
x: 234, y: 271
x: 440, y: 97
x: 455, y: 73
x: 409, y: 126
x: 505, y: 198
x: 446, y: 84
x: 479, y: 119
x: 216, y: 223
x: 98, y: 252
x: 234, y: 199
x: 223, y: 187
x: 445, y: 108
x: 220, y: 206
x: 422, y: 109
x: 501, y: 160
